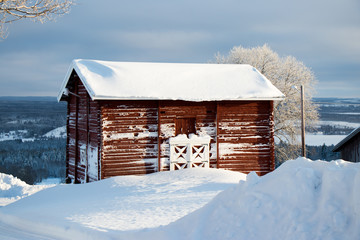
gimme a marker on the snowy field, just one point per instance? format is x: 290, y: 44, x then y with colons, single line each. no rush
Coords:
x: 319, y: 139
x: 338, y: 123
x: 302, y: 199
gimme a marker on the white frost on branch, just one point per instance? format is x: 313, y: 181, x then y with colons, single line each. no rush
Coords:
x: 37, y: 10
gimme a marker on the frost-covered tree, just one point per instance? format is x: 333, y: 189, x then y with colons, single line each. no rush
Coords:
x: 37, y: 10
x: 287, y: 74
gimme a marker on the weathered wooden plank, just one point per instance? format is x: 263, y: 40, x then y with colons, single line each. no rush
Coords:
x: 83, y: 128
x: 114, y: 173
x: 129, y: 158
x: 244, y: 133
x: 129, y: 137
x: 126, y: 165
x: 126, y: 155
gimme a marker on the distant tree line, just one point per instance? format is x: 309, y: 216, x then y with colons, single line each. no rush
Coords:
x: 37, y: 117
x: 33, y: 161
x: 334, y: 130
x: 322, y: 152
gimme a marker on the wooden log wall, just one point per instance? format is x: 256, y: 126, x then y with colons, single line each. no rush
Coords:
x: 205, y: 123
x: 129, y: 137
x: 245, y: 136
x: 351, y: 149
x: 111, y: 138
x: 83, y: 131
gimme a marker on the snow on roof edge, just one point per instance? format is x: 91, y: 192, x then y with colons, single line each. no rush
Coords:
x: 64, y: 82
x: 193, y: 100
x: 74, y: 66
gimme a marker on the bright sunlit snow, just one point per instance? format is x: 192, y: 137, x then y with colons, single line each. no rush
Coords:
x: 174, y: 81
x: 302, y: 199
x: 120, y: 203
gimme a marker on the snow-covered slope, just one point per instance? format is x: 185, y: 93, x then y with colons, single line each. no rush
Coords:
x: 302, y: 199
x: 59, y: 132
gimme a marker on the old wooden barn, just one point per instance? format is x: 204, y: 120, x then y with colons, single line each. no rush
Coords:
x: 137, y: 118
x: 350, y: 146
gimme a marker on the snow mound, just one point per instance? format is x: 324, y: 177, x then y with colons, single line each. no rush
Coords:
x: 59, y: 132
x: 302, y: 199
x: 13, y: 189
x: 106, y: 208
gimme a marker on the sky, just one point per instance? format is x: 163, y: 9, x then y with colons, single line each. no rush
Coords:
x: 323, y: 34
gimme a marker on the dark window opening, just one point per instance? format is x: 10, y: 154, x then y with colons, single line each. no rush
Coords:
x: 185, y: 126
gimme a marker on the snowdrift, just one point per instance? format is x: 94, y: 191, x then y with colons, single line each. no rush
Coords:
x: 13, y: 189
x: 302, y: 199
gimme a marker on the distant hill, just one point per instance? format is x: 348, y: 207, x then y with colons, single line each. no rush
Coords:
x: 339, y: 109
x: 337, y: 100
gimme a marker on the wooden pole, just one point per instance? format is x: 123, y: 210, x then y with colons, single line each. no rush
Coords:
x: 303, y: 122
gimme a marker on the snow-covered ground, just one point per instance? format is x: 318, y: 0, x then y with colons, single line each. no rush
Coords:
x: 338, y: 124
x: 319, y: 139
x: 106, y: 208
x: 302, y: 199
x: 13, y: 135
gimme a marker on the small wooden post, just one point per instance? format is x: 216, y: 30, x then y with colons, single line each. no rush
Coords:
x: 303, y: 122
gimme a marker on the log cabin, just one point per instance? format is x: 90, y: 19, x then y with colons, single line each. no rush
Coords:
x: 130, y: 118
x: 350, y: 146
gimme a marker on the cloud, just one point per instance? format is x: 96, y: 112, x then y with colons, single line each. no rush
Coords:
x: 158, y: 40
x: 31, y: 73
x: 323, y: 34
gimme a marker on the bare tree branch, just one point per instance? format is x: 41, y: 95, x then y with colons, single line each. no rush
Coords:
x: 37, y: 10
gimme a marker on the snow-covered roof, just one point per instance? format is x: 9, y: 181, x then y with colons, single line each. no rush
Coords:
x: 105, y: 80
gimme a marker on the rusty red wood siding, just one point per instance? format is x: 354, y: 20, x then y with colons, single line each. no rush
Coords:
x: 132, y: 137
x: 83, y: 135
x: 205, y: 120
x: 245, y: 136
x: 129, y: 137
